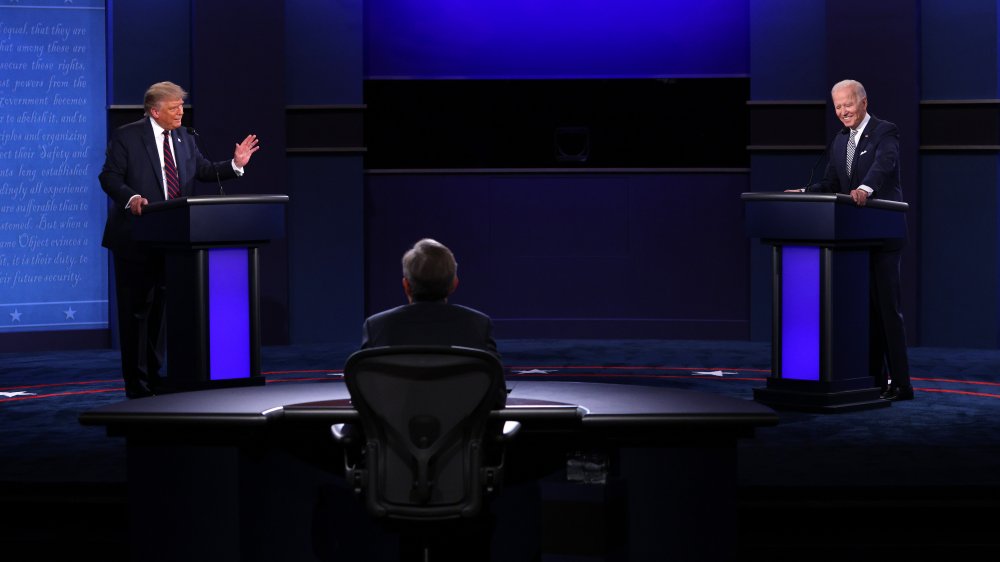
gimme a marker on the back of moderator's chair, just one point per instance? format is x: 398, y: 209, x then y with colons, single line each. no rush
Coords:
x: 424, y: 413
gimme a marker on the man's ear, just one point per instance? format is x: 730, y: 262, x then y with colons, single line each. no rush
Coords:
x: 407, y: 289
x: 454, y: 285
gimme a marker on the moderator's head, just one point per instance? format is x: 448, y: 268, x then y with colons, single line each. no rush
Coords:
x: 429, y: 271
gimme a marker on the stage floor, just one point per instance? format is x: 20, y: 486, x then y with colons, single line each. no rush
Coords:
x: 948, y: 436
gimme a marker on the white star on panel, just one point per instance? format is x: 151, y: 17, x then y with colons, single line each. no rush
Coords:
x: 15, y: 316
x: 70, y: 314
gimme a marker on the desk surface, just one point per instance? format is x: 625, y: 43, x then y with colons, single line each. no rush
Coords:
x: 592, y: 405
x: 664, y: 447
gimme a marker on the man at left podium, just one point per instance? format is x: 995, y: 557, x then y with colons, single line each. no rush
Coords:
x: 150, y: 160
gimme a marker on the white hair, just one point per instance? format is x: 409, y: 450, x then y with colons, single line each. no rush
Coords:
x: 859, y: 90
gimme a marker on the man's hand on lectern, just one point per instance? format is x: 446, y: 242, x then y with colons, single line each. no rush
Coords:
x: 859, y: 196
x: 136, y: 204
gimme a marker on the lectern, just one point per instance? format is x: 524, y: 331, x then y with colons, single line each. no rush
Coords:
x: 211, y: 246
x: 820, y: 280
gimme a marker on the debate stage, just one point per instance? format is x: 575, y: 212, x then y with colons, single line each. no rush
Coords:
x: 812, y: 482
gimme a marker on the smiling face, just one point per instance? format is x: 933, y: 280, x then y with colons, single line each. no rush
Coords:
x: 168, y: 113
x: 850, y: 110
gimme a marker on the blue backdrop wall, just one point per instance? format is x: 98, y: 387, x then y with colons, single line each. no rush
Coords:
x: 599, y: 249
x: 930, y: 66
x: 958, y: 166
x: 521, y: 39
x: 52, y: 90
x: 323, y: 88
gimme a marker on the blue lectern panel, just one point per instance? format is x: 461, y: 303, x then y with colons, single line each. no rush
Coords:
x: 800, y: 312
x: 228, y: 313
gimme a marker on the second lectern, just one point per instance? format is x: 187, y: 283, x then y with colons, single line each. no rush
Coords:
x: 211, y: 250
x: 820, y: 280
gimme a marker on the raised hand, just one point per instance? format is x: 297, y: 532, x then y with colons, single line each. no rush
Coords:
x: 244, y: 150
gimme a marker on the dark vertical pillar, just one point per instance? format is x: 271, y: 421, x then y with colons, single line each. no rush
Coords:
x: 324, y: 62
x: 238, y: 72
x: 787, y: 89
x: 165, y: 54
x: 960, y: 174
x: 143, y: 50
x: 878, y: 44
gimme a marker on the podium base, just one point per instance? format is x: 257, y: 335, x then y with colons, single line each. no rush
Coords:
x: 820, y: 401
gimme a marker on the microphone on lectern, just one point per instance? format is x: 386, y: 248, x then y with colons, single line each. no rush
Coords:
x: 215, y: 168
x: 826, y: 151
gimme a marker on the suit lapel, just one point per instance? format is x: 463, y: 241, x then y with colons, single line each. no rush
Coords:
x: 840, y: 156
x: 863, y: 143
x: 180, y: 158
x: 154, y: 155
x: 867, y: 134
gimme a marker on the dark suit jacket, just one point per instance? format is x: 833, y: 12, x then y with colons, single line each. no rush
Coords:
x: 133, y: 167
x: 876, y: 162
x: 430, y: 323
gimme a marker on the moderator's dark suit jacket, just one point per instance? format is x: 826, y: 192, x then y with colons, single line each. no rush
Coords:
x: 133, y: 167
x: 431, y: 323
x: 876, y: 162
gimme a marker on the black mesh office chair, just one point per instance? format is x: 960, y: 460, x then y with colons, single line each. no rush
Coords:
x: 424, y: 412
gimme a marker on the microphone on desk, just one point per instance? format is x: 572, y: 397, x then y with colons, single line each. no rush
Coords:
x: 215, y: 168
x: 826, y: 151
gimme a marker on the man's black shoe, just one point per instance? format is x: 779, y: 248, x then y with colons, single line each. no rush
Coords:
x: 895, y: 394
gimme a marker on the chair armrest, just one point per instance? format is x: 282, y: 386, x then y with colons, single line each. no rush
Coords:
x: 510, y: 429
x: 341, y: 434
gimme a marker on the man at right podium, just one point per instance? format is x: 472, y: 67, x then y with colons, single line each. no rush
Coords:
x: 864, y: 163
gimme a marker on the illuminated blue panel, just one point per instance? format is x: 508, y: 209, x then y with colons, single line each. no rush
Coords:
x: 53, y: 271
x: 228, y: 313
x: 556, y: 38
x: 800, y: 311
